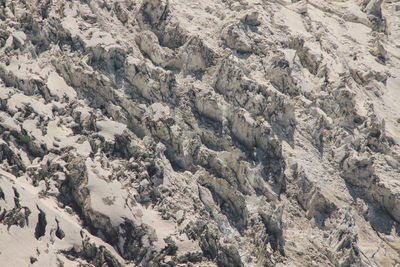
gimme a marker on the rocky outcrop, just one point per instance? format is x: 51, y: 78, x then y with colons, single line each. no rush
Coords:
x: 208, y: 133
x: 18, y: 215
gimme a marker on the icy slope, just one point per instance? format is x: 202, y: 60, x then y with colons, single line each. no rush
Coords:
x: 200, y: 133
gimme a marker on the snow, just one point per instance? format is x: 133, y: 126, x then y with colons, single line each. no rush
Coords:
x: 83, y: 149
x: 24, y: 68
x: 390, y: 108
x: 58, y: 87
x: 20, y: 100
x: 106, y: 197
x: 97, y: 38
x: 55, y: 134
x: 292, y: 20
x: 31, y: 127
x: 69, y: 22
x: 20, y: 36
x: 62, y: 133
x: 159, y: 110
x: 84, y: 111
x: 163, y: 228
x: 7, y: 122
x: 16, y: 245
x: 339, y: 37
x: 109, y: 129
x: 359, y: 32
x: 5, y: 92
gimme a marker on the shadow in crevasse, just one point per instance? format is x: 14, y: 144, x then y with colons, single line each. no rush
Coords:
x: 379, y: 218
x: 382, y: 222
x: 285, y: 133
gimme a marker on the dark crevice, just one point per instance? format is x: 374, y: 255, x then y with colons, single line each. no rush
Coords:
x: 40, y: 229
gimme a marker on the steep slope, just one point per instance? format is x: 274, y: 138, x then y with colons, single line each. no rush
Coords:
x: 200, y: 133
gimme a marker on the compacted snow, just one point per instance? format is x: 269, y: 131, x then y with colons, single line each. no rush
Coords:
x: 200, y: 133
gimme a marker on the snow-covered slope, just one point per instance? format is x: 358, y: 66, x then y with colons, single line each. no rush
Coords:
x: 200, y: 133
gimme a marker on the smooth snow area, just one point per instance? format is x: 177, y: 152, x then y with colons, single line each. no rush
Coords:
x: 107, y: 197
x: 24, y: 68
x: 56, y: 135
x: 31, y: 127
x: 5, y: 92
x: 390, y: 108
x: 109, y: 129
x: 84, y: 111
x: 7, y: 122
x: 96, y: 37
x: 292, y: 20
x: 19, y: 100
x: 163, y: 228
x: 92, y: 37
x: 83, y: 149
x: 69, y: 22
x: 58, y: 87
x: 16, y: 245
x: 359, y: 32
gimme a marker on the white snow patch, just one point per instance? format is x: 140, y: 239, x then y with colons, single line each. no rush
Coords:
x: 359, y: 32
x: 83, y: 149
x: 83, y: 110
x: 20, y: 100
x: 5, y: 92
x: 7, y: 122
x: 58, y: 87
x: 163, y: 228
x: 20, y: 36
x: 16, y: 245
x: 24, y: 68
x: 69, y: 22
x: 292, y: 20
x: 31, y: 127
x: 106, y: 197
x: 159, y: 111
x: 109, y: 129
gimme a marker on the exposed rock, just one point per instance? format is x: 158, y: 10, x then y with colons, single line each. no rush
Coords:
x: 199, y: 133
x: 229, y: 257
x: 236, y: 38
x: 272, y: 218
x: 18, y: 215
x: 252, y: 18
x: 154, y: 11
x: 232, y: 205
x: 280, y: 73
x: 13, y: 160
